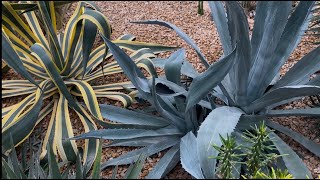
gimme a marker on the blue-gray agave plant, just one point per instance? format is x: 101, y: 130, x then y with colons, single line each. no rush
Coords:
x: 241, y: 79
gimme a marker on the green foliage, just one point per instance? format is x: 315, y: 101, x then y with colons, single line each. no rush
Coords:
x: 252, y: 156
x: 258, y: 155
x: 12, y: 168
x: 274, y: 174
x: 228, y: 156
x: 61, y: 68
x: 200, y: 7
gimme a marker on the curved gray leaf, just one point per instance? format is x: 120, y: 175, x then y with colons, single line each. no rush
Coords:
x: 132, y: 156
x: 280, y: 94
x: 125, y: 116
x: 301, y: 71
x: 127, y: 133
x: 294, y: 30
x: 206, y: 81
x: 294, y: 112
x: 239, y: 33
x: 307, y: 143
x: 292, y: 161
x: 220, y: 20
x: 183, y: 35
x: 137, y: 142
x: 269, y: 24
x: 166, y: 163
x: 186, y: 69
x: 168, y: 88
x: 216, y: 123
x: 189, y: 155
x: 129, y: 67
x: 173, y: 66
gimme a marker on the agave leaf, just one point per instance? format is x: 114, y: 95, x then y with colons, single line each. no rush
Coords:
x: 168, y: 88
x: 25, y: 124
x: 91, y: 145
x: 8, y: 170
x: 280, y: 94
x: 10, y: 56
x: 189, y: 156
x: 136, y: 142
x: 54, y: 171
x: 166, y: 163
x: 186, y: 68
x: 15, y: 162
x: 173, y: 73
x: 132, y: 156
x: 248, y: 121
x: 315, y: 81
x: 166, y: 109
x: 63, y: 130
x: 270, y: 22
x: 114, y: 172
x: 97, y: 164
x: 122, y: 115
x: 294, y: 29
x: 239, y: 33
x: 50, y: 24
x: 79, y: 167
x: 221, y: 22
x: 173, y: 66
x: 129, y: 68
x: 135, y: 169
x: 301, y: 71
x: 215, y: 124
x: 307, y: 143
x: 44, y: 57
x: 292, y: 161
x: 26, y: 7
x: 184, y: 36
x: 127, y: 133
x: 209, y: 79
x: 89, y: 34
x: 294, y: 112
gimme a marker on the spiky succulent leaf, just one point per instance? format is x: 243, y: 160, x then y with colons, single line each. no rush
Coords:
x: 280, y: 94
x: 135, y: 169
x: 195, y: 94
x: 215, y: 124
x: 300, y: 73
x: 166, y: 163
x: 190, y: 156
x: 132, y: 156
x: 292, y: 161
x: 292, y: 33
x: 294, y: 112
x: 184, y: 36
x: 307, y: 143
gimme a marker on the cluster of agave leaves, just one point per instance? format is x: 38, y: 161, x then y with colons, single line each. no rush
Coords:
x: 190, y: 121
x: 60, y: 68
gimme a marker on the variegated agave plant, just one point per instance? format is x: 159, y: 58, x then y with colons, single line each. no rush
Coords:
x: 59, y: 68
x: 241, y: 79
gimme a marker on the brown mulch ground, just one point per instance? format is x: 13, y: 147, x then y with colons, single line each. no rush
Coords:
x: 201, y: 29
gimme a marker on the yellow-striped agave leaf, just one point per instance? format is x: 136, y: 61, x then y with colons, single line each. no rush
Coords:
x: 61, y: 71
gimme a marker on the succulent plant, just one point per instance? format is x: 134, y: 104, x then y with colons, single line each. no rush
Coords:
x: 244, y: 79
x: 32, y: 168
x: 60, y: 68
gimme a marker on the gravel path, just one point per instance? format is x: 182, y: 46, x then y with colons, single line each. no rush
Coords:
x: 201, y: 29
